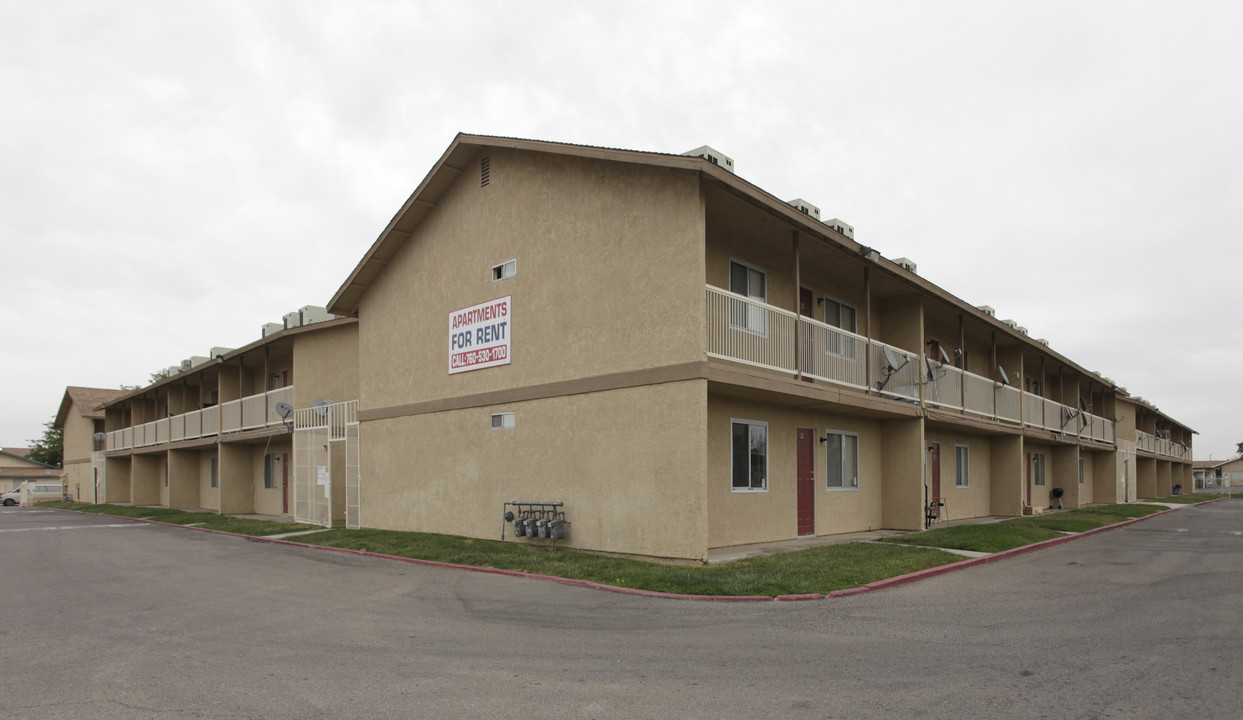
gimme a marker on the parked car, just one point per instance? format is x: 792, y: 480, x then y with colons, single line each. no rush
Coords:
x: 38, y: 493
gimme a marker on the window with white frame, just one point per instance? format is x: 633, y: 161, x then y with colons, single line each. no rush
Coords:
x: 507, y: 269
x: 748, y: 457
x: 1082, y: 473
x: 502, y: 421
x: 1037, y: 468
x: 750, y: 282
x: 962, y: 466
x: 842, y: 460
x: 845, y: 317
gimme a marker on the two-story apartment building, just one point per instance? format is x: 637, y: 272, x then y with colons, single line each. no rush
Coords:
x: 217, y: 434
x: 81, y: 420
x: 687, y: 362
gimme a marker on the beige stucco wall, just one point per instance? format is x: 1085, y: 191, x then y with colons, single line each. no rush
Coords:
x: 270, y: 501
x: 78, y: 439
x: 183, y: 479
x: 118, y: 486
x: 209, y: 497
x: 1039, y: 496
x: 325, y: 366
x: 903, y: 465
x: 742, y: 517
x: 1146, y: 478
x: 237, y: 492
x: 629, y: 465
x: 145, y: 479
x: 609, y: 278
x: 975, y: 499
x: 1064, y: 463
x: 1008, y: 475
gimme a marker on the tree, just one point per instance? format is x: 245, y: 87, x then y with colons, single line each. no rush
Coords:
x: 156, y: 376
x: 1240, y: 448
x: 48, y: 449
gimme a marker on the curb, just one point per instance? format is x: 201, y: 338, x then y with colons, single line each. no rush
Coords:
x: 591, y: 584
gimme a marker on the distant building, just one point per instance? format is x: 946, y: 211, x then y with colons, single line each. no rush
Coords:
x: 16, y: 468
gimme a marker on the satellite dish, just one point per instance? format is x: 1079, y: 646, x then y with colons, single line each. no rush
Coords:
x: 321, y: 407
x: 928, y: 368
x: 1005, y: 379
x: 101, y: 436
x: 1083, y: 406
x: 889, y: 358
x: 945, y: 358
x: 284, y: 410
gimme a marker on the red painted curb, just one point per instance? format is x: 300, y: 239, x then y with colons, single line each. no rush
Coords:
x: 845, y: 592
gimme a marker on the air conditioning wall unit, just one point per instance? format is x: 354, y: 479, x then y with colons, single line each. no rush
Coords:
x: 218, y: 351
x: 712, y: 155
x: 196, y: 360
x: 842, y: 227
x: 270, y: 328
x: 172, y: 370
x: 292, y: 319
x: 805, y: 207
x: 906, y: 264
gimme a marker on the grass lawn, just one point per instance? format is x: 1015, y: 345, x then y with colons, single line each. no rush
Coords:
x: 988, y: 537
x: 1189, y: 498
x: 815, y: 570
x: 213, y: 521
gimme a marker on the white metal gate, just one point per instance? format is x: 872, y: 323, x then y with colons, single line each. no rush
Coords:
x: 319, y: 432
x: 353, y: 478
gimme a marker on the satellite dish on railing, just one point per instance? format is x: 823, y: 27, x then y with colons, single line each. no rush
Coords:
x: 284, y: 410
x: 100, y: 436
x: 1005, y: 379
x: 945, y: 358
x: 889, y: 358
x: 321, y: 407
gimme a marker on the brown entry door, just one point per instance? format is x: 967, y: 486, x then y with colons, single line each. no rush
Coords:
x: 934, y: 480
x: 806, y: 482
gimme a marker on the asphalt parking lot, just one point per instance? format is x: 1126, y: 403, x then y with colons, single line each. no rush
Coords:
x: 107, y: 618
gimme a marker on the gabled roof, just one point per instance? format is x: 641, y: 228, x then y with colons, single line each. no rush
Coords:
x: 89, y: 402
x: 34, y: 464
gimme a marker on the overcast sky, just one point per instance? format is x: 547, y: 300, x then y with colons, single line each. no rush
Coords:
x: 175, y: 174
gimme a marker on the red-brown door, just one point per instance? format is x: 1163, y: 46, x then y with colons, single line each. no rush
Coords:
x: 934, y: 479
x: 805, y: 305
x: 806, y: 482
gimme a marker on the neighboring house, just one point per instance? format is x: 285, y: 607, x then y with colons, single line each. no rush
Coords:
x: 16, y: 468
x: 212, y: 436
x: 81, y: 420
x: 1218, y: 473
x: 687, y: 362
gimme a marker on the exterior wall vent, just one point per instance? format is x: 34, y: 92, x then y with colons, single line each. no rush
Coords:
x: 716, y: 157
x: 485, y: 171
x: 906, y: 264
x: 805, y: 207
x: 842, y: 227
x: 987, y: 310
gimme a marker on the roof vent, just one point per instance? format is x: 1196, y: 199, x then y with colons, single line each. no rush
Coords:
x: 1042, y: 341
x: 716, y: 157
x: 841, y: 227
x: 906, y: 264
x: 987, y: 310
x: 805, y: 207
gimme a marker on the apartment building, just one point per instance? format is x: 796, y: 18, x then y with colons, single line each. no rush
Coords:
x: 81, y: 421
x: 217, y: 434
x: 686, y: 362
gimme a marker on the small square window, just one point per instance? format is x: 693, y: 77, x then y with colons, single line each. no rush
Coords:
x: 502, y: 421
x: 506, y: 269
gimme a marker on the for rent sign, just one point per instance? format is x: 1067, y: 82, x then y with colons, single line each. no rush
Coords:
x: 479, y: 336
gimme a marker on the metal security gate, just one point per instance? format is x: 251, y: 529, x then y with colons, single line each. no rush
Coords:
x: 353, y: 478
x: 320, y: 433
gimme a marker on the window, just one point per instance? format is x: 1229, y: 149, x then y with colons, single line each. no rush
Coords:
x: 748, y: 456
x: 166, y: 474
x: 842, y: 455
x: 962, y: 466
x: 215, y: 479
x: 271, y: 463
x: 507, y: 269
x: 750, y: 282
x: 1082, y: 474
x: 1037, y: 468
x: 503, y: 421
x: 843, y: 316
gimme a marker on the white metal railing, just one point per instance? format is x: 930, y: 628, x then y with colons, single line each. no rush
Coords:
x: 231, y: 416
x: 335, y: 417
x: 895, y: 371
x: 945, y: 385
x: 194, y: 424
x: 832, y: 354
x: 1055, y: 417
x: 979, y: 394
x: 1161, y: 446
x: 1033, y: 409
x: 161, y: 431
x: 1008, y: 403
x: 749, y: 331
x: 177, y: 428
x: 280, y: 395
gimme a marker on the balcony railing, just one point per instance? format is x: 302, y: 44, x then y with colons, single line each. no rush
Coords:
x: 744, y: 330
x: 248, y: 413
x: 1161, y: 446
